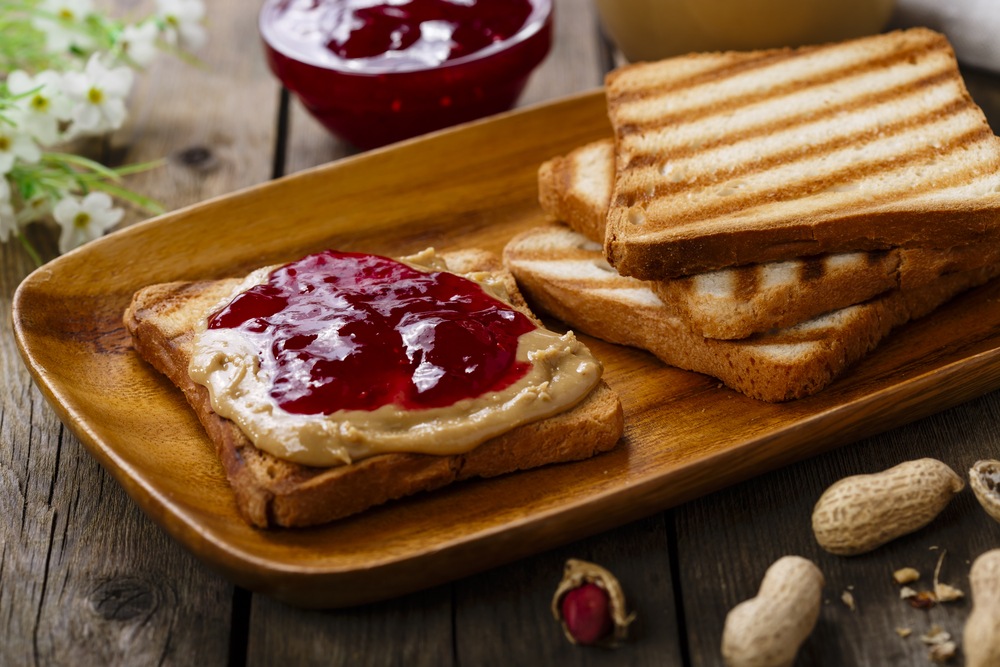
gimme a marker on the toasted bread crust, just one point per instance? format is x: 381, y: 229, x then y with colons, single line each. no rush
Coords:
x: 271, y: 492
x: 777, y: 366
x: 740, y: 301
x: 731, y: 159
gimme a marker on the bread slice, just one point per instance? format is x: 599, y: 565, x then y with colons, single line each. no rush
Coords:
x: 272, y: 492
x: 565, y: 274
x: 734, y: 158
x: 740, y: 301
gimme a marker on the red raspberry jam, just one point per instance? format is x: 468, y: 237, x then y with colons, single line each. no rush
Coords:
x: 402, y: 35
x: 375, y: 72
x: 350, y: 331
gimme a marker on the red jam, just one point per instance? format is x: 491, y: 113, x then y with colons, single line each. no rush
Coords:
x: 377, y: 71
x: 397, y: 36
x: 349, y: 331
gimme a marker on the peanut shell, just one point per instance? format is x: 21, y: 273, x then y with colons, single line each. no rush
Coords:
x: 579, y: 572
x: 984, y: 478
x: 862, y: 512
x: 767, y: 630
x: 981, y: 641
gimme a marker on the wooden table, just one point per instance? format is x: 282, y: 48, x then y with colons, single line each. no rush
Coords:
x: 86, y: 578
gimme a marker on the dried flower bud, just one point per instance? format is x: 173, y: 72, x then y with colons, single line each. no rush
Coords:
x: 590, y: 605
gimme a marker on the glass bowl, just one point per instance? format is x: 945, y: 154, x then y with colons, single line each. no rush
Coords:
x: 371, y: 103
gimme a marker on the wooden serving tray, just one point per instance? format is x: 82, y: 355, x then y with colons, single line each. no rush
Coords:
x: 473, y: 186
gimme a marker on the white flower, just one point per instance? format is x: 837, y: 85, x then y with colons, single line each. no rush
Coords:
x: 182, y: 20
x: 36, y: 208
x: 8, y: 222
x: 62, y: 28
x: 85, y: 220
x: 39, y: 112
x: 98, y: 94
x: 138, y: 42
x: 15, y: 144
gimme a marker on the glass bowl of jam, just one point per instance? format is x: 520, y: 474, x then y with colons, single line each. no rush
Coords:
x: 378, y: 71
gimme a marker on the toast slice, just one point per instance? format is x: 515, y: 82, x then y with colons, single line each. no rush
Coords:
x: 737, y: 302
x: 734, y: 158
x: 565, y: 274
x: 272, y: 492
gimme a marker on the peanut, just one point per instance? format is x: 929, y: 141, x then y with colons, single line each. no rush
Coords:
x: 767, y: 630
x: 982, y: 628
x: 862, y: 512
x: 590, y: 605
x: 984, y: 478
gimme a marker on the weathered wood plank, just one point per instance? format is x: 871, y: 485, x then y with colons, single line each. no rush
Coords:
x: 503, y: 616
x: 85, y: 578
x: 214, y: 123
x: 727, y: 541
x: 414, y: 630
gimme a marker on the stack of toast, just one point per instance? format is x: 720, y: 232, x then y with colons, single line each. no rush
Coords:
x: 768, y: 217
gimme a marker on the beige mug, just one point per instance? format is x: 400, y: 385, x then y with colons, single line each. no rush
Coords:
x: 655, y: 29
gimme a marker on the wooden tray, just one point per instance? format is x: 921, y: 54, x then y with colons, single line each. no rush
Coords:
x: 474, y: 186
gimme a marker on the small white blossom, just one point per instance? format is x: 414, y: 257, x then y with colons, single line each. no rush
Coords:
x: 61, y: 27
x: 36, y: 208
x: 138, y: 42
x: 15, y: 145
x: 85, y: 220
x: 44, y: 104
x: 182, y: 20
x: 98, y: 93
x: 8, y: 221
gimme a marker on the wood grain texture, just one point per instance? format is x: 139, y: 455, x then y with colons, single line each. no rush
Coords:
x: 502, y: 617
x: 727, y: 540
x: 481, y: 193
x: 413, y: 630
x: 85, y: 577
x: 213, y: 124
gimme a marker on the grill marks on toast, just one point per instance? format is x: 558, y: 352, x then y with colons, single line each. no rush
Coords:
x: 877, y: 97
x: 784, y: 158
x: 657, y: 149
x: 780, y: 147
x: 827, y: 183
x: 719, y: 106
x: 775, y: 366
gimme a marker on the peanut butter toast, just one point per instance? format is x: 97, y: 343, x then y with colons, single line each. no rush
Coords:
x: 274, y: 492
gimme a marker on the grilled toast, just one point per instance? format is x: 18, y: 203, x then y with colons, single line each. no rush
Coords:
x: 736, y: 158
x: 272, y: 492
x: 737, y: 302
x: 565, y: 274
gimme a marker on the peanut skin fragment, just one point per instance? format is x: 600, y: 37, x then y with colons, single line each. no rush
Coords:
x: 767, y: 630
x: 862, y: 512
x: 981, y: 641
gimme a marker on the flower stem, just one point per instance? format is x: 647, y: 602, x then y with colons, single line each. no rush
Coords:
x: 30, y: 249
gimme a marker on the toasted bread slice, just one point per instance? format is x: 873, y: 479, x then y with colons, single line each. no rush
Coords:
x: 736, y: 158
x: 740, y: 301
x: 565, y: 274
x: 271, y: 492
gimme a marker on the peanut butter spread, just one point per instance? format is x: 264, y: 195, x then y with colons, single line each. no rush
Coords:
x: 270, y: 388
